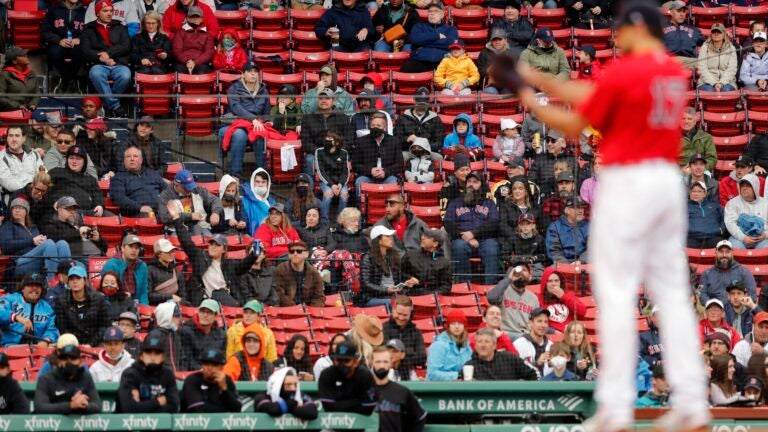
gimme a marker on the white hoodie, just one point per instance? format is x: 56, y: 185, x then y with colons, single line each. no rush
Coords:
x: 226, y: 180
x: 737, y: 206
x: 104, y: 371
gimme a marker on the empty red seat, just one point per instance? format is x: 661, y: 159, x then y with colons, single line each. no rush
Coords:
x: 231, y: 19
x: 154, y: 91
x: 469, y: 19
x: 744, y: 15
x: 756, y: 100
x: 24, y: 28
x: 423, y: 194
x: 352, y: 62
x: 730, y: 147
x: 599, y: 38
x: 270, y: 41
x: 704, y: 17
x: 309, y: 61
x: 306, y: 40
x: 430, y: 215
x: 372, y: 197
x: 384, y: 62
x: 455, y: 105
x: 196, y: 84
x: 275, y: 81
x: 724, y: 124
x: 499, y: 104
x: 197, y: 114
x: 720, y: 102
x: 274, y: 164
x: 305, y: 19
x: 267, y: 20
x: 758, y: 122
x: 552, y: 18
x: 408, y: 83
x: 225, y: 79
x: 474, y: 40
x: 276, y: 62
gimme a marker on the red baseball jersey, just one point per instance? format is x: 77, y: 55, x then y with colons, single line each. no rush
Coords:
x: 637, y: 105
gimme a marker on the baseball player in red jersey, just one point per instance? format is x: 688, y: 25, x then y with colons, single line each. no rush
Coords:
x: 639, y: 217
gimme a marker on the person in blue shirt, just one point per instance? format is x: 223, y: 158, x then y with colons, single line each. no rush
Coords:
x: 463, y: 135
x: 135, y: 285
x: 559, y: 356
x: 450, y: 350
x: 25, y: 317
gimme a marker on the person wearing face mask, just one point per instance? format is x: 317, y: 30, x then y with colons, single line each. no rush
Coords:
x: 492, y: 365
x: 256, y: 199
x: 544, y: 55
x: 168, y: 320
x: 347, y: 386
x: 12, y: 398
x: 377, y: 157
x: 230, y: 55
x: 302, y: 198
x: 398, y: 408
x: 420, y: 122
x: 210, y: 390
x: 193, y: 45
x: 333, y: 172
x: 113, y: 360
x: 148, y: 386
x: 559, y: 356
x: 515, y: 301
x: 68, y: 388
x: 284, y: 396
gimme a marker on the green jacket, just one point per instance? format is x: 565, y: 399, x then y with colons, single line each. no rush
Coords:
x: 10, y: 84
x: 553, y: 62
x: 699, y: 142
x: 343, y: 102
x: 288, y: 121
x: 652, y: 400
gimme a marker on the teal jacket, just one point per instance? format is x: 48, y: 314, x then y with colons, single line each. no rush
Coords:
x: 445, y: 358
x: 118, y: 266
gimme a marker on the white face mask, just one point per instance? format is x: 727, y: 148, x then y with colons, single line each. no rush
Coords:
x: 558, y: 362
x: 114, y: 358
x: 369, y: 86
x: 261, y: 190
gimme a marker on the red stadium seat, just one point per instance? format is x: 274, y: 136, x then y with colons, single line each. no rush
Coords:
x: 225, y: 79
x: 385, y: 62
x: 305, y: 19
x: 756, y: 100
x: 270, y: 41
x: 704, y: 17
x: 231, y: 20
x: 751, y: 256
x: 271, y: 62
x: 758, y: 122
x: 352, y: 62
x: 720, y: 102
x: 267, y: 20
x: 730, y: 147
x: 24, y: 29
x: 469, y: 19
x: 15, y: 117
x: 160, y: 85
x: 497, y: 171
x: 430, y: 215
x: 306, y: 40
x: 422, y: 194
x: 743, y: 15
x: 455, y: 105
x: 474, y: 40
x: 309, y: 61
x: 552, y: 18
x: 196, y: 84
x: 499, y: 104
x: 275, y: 81
x: 723, y: 168
x: 372, y: 197
x: 600, y: 39
x: 724, y: 124
x: 196, y: 114
x: 274, y: 164
x: 408, y: 83
x: 702, y: 256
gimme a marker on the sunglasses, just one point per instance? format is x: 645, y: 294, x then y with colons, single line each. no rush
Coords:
x: 64, y: 141
x: 298, y: 251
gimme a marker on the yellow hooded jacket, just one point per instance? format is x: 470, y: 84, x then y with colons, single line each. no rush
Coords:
x: 456, y: 71
x: 235, y: 335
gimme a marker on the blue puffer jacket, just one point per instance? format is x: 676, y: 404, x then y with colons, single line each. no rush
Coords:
x: 118, y: 266
x: 470, y: 139
x: 16, y: 239
x: 349, y: 21
x: 246, y: 105
x: 44, y: 319
x: 426, y: 44
x: 565, y: 242
x: 705, y: 219
x: 754, y: 68
x: 445, y: 358
x: 682, y: 39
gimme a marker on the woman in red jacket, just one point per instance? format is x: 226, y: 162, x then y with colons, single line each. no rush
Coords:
x: 230, y: 55
x: 275, y: 233
x: 563, y: 306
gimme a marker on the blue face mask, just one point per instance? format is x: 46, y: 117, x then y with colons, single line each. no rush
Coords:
x: 228, y: 44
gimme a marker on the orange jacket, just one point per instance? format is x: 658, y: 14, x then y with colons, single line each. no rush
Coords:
x: 260, y: 369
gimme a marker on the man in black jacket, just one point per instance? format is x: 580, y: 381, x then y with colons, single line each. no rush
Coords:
x: 398, y: 408
x: 107, y: 46
x: 12, y: 398
x: 399, y: 326
x: 376, y: 157
x: 65, y: 225
x: 210, y: 390
x: 315, y: 126
x: 201, y: 333
x: 490, y: 365
x: 519, y: 30
x: 148, y: 386
x: 68, y: 388
x: 82, y: 311
x: 420, y: 122
x: 431, y: 270
x: 152, y: 149
x: 347, y: 386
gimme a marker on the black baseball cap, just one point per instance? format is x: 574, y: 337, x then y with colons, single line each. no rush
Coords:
x: 539, y: 311
x: 153, y: 343
x: 744, y: 160
x: 589, y: 49
x: 69, y: 352
x: 4, y: 360
x: 213, y: 356
x: 637, y: 12
x: 34, y: 279
x: 345, y: 350
x: 476, y: 175
x: 697, y: 157
x: 65, y: 265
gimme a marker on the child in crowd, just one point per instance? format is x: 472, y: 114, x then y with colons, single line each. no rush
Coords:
x: 559, y: 356
x: 463, y: 140
x: 457, y: 73
x: 286, y: 113
x: 230, y: 55
x: 528, y: 246
x: 508, y: 143
x: 419, y: 167
x: 589, y: 67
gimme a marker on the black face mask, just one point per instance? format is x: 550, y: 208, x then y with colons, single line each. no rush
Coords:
x: 286, y: 395
x: 70, y: 370
x: 193, y: 25
x: 343, y: 369
x: 302, y: 191
x: 519, y: 283
x: 377, y: 132
x: 381, y: 373
x: 153, y: 368
x: 328, y: 143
